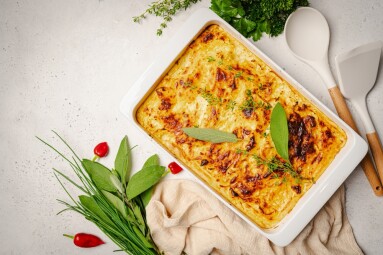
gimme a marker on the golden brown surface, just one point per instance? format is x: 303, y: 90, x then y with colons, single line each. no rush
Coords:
x: 218, y: 83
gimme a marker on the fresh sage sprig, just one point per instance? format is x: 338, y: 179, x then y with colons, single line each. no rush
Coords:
x: 210, y: 135
x: 123, y: 161
x: 111, y: 200
x: 279, y: 131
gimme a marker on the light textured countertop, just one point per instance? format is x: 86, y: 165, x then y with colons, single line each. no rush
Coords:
x: 65, y: 65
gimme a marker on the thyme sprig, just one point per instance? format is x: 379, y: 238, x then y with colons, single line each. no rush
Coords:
x: 209, y: 97
x: 165, y: 9
x: 250, y: 104
x: 231, y: 105
x: 275, y: 164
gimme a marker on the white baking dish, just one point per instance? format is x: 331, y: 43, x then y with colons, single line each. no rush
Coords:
x: 341, y: 167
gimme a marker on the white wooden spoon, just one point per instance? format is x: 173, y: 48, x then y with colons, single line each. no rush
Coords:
x: 307, y: 35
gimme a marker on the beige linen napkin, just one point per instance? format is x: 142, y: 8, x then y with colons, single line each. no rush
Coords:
x: 184, y: 216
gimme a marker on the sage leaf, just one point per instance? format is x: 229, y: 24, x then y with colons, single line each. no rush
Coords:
x: 99, y: 174
x: 147, y: 195
x: 279, y: 131
x: 143, y: 180
x: 210, y: 135
x: 116, y: 182
x: 152, y: 161
x: 123, y: 161
x: 91, y: 204
x: 115, y: 173
x: 117, y: 203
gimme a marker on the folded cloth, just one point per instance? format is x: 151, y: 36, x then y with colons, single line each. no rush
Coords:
x: 185, y: 217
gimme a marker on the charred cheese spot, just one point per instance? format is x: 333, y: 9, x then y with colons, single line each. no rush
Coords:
x: 165, y: 104
x: 248, y: 112
x: 207, y: 37
x: 178, y: 101
x: 251, y: 144
x: 297, y: 189
x: 221, y: 75
x: 301, y: 140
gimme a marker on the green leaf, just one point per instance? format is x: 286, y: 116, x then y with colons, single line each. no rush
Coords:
x: 244, y: 26
x: 256, y: 35
x: 279, y: 131
x: 152, y: 161
x: 146, y: 196
x: 115, y: 173
x: 210, y: 135
x: 91, y: 204
x: 116, y: 182
x: 123, y: 161
x: 143, y: 180
x: 227, y: 9
x: 99, y: 174
x: 117, y: 203
x: 265, y: 26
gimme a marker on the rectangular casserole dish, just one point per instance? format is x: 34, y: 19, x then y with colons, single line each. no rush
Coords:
x: 310, y: 203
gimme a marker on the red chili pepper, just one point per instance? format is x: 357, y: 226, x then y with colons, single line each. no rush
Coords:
x: 101, y: 150
x: 84, y: 240
x: 174, y: 168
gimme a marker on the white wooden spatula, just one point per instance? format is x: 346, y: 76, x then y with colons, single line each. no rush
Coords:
x: 357, y: 70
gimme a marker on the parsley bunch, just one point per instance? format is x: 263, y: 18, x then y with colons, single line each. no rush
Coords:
x: 252, y: 18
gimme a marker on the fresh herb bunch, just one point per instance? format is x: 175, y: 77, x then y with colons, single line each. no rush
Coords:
x: 252, y: 18
x: 165, y: 9
x: 112, y: 200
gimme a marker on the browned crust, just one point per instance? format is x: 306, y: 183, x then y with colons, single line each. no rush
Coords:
x: 200, y: 90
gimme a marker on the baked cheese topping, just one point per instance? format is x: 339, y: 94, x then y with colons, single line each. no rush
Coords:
x: 218, y: 83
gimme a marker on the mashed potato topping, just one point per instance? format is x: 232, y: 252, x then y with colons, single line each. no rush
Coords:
x: 219, y: 83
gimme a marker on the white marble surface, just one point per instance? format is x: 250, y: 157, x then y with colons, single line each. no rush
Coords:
x: 65, y: 65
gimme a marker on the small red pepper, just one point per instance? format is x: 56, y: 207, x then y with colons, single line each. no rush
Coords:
x: 174, y: 168
x: 101, y: 150
x: 84, y: 240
